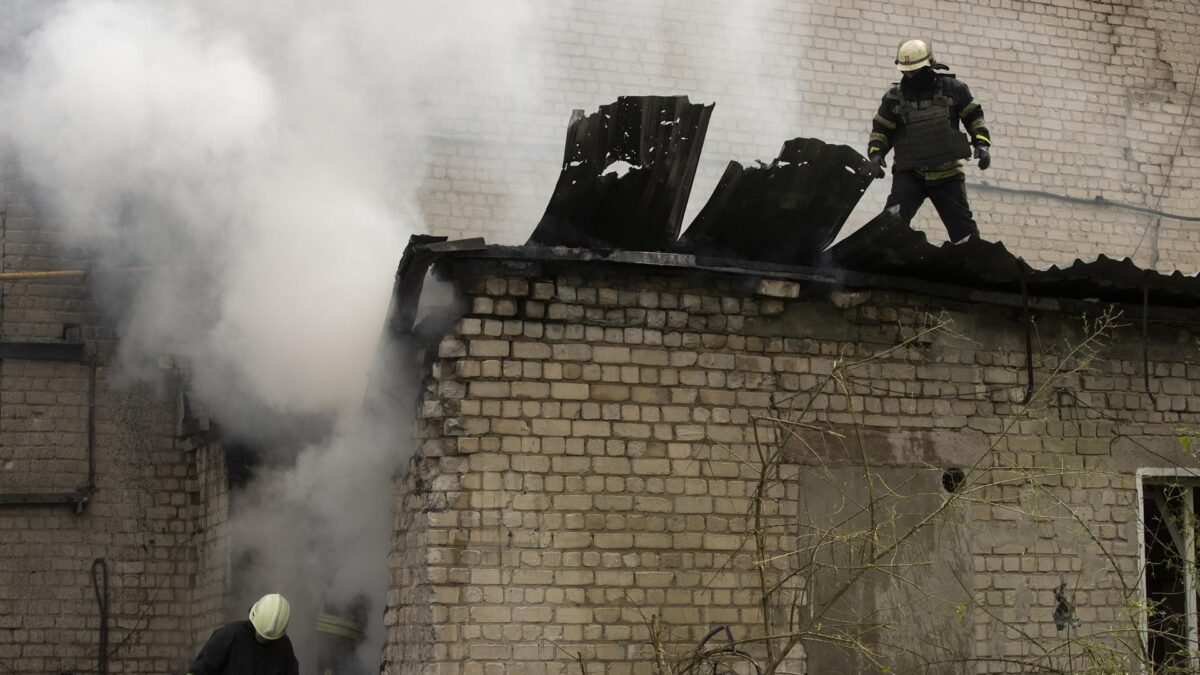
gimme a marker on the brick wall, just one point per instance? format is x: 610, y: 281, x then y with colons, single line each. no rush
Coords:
x: 140, y: 518
x: 579, y: 471
x: 1070, y: 114
x: 211, y: 601
x: 1084, y: 99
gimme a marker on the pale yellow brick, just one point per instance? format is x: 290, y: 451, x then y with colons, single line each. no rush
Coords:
x: 644, y: 467
x: 693, y: 504
x: 532, y: 614
x: 609, y: 354
x: 575, y: 391
x: 569, y: 615
x: 611, y: 540
x: 591, y: 428
x: 486, y: 348
x: 490, y: 614
x: 480, y: 389
x: 608, y: 392
x: 572, y: 502
x: 574, y: 577
x: 551, y: 427
x: 610, y: 465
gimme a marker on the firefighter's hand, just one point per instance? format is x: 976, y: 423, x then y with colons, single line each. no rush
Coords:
x: 877, y: 165
x: 984, y: 157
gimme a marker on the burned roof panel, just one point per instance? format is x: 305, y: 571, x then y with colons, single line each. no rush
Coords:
x: 626, y: 175
x: 882, y: 246
x: 627, y: 172
x: 787, y: 211
x: 887, y: 246
x: 1118, y: 280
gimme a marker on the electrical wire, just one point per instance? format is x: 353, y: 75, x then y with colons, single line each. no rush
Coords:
x: 1101, y: 201
x: 1095, y: 201
x: 1178, y: 143
x: 100, y: 586
x: 137, y: 628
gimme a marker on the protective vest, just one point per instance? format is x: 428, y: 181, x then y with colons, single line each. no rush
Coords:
x: 929, y: 137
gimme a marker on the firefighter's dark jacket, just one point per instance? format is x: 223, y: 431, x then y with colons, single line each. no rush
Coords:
x: 963, y: 108
x: 233, y: 649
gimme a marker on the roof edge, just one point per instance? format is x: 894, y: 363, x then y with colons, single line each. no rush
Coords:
x: 834, y: 278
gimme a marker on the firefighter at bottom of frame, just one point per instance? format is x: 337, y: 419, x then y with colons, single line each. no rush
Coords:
x: 257, y: 645
x: 919, y: 118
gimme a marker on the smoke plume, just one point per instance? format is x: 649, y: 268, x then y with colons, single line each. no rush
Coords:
x: 247, y: 173
x: 261, y: 165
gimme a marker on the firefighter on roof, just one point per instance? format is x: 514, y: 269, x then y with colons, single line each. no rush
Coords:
x: 919, y: 118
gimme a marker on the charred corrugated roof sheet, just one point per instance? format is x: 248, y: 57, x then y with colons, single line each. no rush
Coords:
x: 1117, y: 280
x: 787, y: 211
x: 888, y: 247
x: 626, y: 174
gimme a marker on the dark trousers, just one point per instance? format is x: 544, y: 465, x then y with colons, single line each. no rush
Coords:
x: 949, y: 197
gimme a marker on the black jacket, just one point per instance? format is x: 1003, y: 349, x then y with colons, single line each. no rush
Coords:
x: 964, y: 107
x: 234, y: 649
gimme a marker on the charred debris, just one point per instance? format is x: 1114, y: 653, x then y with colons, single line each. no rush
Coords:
x: 626, y: 177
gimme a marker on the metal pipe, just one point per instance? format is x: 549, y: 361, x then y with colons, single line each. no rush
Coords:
x: 1146, y: 342
x: 1094, y: 201
x: 90, y: 487
x: 45, y: 274
x: 30, y: 275
x: 71, y: 499
x: 100, y: 586
x: 1028, y: 342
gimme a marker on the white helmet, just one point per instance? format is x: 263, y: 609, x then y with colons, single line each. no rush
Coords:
x: 914, y: 55
x: 270, y: 616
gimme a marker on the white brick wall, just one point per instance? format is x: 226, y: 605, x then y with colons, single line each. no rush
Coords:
x: 585, y: 468
x: 1083, y: 98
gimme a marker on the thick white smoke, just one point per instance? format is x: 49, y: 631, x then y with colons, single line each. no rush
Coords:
x: 263, y: 160
x: 276, y: 146
x: 257, y: 165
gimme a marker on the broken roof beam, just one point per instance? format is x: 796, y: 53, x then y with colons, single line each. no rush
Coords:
x: 626, y: 175
x: 421, y: 252
x: 787, y: 211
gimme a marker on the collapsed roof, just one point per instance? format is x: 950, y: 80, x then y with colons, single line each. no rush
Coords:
x: 627, y: 173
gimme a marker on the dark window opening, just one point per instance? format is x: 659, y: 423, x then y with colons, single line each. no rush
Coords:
x: 1169, y: 526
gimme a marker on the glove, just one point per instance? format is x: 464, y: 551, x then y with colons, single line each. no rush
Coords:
x: 877, y: 165
x: 984, y: 157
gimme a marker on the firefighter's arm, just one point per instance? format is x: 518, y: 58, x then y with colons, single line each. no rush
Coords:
x: 971, y: 114
x: 213, y: 654
x: 883, y: 126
